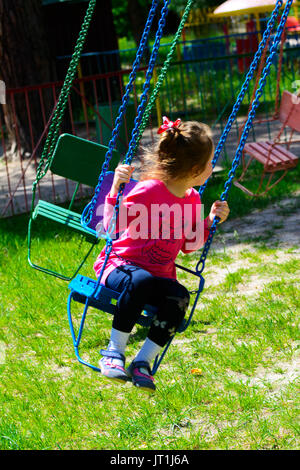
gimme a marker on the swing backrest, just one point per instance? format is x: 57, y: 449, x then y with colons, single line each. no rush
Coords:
x: 288, y: 116
x: 80, y: 160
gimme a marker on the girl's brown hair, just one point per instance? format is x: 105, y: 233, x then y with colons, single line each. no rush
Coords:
x: 179, y: 152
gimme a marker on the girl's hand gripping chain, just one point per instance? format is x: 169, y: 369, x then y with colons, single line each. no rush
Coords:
x: 123, y: 174
x: 218, y: 209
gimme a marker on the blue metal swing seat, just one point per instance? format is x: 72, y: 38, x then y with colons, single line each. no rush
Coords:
x: 85, y: 291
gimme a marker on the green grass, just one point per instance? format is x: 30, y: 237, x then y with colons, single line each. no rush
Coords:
x: 245, y: 346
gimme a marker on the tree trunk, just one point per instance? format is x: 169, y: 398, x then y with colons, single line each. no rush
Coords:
x: 24, y: 60
x: 64, y: 20
x: 137, y: 15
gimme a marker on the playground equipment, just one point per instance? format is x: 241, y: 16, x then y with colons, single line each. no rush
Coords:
x: 252, y: 9
x: 273, y: 156
x: 78, y: 160
x: 91, y: 292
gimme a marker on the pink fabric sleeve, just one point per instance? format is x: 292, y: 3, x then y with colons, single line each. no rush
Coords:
x: 199, y: 228
x: 137, y: 195
x: 200, y: 242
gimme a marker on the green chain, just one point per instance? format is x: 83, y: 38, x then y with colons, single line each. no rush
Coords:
x: 163, y: 73
x: 65, y: 91
x: 63, y: 97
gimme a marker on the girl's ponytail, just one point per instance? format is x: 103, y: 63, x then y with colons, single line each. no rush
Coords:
x: 182, y: 149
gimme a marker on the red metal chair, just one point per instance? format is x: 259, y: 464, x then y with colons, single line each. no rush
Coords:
x: 272, y: 155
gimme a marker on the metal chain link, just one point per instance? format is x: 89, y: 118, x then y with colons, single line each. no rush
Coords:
x: 63, y: 97
x: 248, y: 125
x: 89, y: 209
x: 245, y: 86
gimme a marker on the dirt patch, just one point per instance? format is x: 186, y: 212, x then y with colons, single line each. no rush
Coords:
x: 281, y: 375
x: 276, y: 226
x: 282, y: 220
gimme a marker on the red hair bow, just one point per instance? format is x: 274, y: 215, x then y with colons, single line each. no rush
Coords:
x: 167, y: 124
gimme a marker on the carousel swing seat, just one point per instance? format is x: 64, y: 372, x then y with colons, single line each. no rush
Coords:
x: 91, y: 293
x: 77, y: 160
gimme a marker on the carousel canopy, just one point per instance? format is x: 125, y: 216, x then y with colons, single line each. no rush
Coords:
x: 236, y: 7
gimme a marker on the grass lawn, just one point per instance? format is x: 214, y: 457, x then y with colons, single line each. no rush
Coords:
x: 243, y: 341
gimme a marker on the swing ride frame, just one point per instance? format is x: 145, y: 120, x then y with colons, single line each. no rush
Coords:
x: 90, y: 292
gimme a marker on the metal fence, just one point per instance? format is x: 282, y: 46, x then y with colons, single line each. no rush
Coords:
x: 190, y: 49
x: 196, y: 87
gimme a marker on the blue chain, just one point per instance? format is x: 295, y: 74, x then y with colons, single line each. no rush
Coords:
x: 135, y: 133
x: 89, y: 209
x: 248, y: 125
x: 245, y: 87
x: 146, y: 87
x: 140, y: 112
x: 256, y: 102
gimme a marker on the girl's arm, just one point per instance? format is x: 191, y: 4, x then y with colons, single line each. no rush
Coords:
x: 133, y: 200
x: 218, y: 209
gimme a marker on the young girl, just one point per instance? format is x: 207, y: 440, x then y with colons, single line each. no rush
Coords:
x: 141, y: 265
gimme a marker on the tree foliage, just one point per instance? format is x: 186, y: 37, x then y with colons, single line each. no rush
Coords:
x: 123, y: 25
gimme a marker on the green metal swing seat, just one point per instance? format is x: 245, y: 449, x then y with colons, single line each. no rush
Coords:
x: 63, y: 216
x: 78, y: 160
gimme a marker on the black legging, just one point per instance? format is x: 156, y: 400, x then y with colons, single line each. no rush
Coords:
x: 138, y: 287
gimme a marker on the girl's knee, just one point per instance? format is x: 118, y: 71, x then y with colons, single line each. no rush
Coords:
x: 181, y: 300
x: 144, y: 281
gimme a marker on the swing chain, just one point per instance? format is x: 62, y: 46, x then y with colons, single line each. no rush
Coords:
x: 256, y: 102
x: 146, y: 86
x: 249, y: 76
x: 163, y: 73
x: 140, y: 111
x: 121, y: 112
x: 207, y: 245
x: 247, y: 127
x: 63, y: 97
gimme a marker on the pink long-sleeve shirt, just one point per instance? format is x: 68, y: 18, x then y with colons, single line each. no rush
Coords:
x: 153, y: 226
